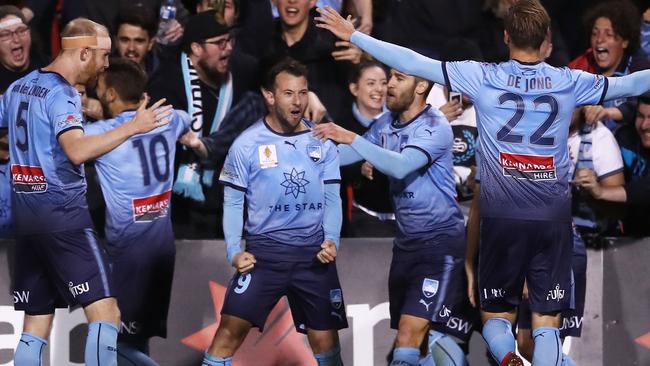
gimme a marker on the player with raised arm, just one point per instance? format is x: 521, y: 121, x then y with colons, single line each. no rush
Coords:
x: 412, y: 145
x: 524, y: 109
x: 138, y: 222
x: 58, y: 259
x: 290, y: 182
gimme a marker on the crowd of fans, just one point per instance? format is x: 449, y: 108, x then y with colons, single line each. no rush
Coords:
x: 210, y: 63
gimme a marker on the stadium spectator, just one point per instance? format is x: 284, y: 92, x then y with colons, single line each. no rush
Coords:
x: 17, y: 58
x: 634, y: 141
x: 134, y: 38
x: 614, y: 27
x: 370, y: 213
x: 206, y: 80
x: 295, y: 35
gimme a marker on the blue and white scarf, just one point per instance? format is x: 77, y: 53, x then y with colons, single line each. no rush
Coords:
x: 191, y: 176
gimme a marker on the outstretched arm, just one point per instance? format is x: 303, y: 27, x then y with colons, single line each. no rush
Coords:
x: 400, y: 58
x: 394, y: 164
x: 631, y: 85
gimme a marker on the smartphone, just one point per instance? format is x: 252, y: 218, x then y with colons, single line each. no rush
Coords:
x: 455, y: 96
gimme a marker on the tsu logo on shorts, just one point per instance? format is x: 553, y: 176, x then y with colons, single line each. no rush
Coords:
x: 429, y: 287
x: 314, y: 152
x: 336, y: 298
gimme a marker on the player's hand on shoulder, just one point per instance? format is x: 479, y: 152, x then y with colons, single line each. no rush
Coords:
x: 328, y: 252
x: 331, y: 20
x: 147, y: 119
x: 244, y: 262
x: 334, y: 132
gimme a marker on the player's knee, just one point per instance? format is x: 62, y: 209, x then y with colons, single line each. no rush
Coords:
x: 411, y: 333
x: 232, y: 331
x: 323, y: 341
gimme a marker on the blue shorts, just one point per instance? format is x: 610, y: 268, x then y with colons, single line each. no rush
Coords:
x: 58, y: 269
x: 513, y: 250
x: 312, y: 288
x: 143, y: 270
x: 425, y: 284
x: 464, y: 319
x: 571, y: 321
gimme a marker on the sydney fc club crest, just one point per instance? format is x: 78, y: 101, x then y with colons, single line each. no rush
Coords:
x: 314, y: 152
x: 429, y: 287
x: 336, y: 298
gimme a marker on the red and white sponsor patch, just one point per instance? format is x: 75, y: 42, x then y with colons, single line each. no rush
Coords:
x: 28, y: 179
x: 530, y: 167
x: 150, y: 208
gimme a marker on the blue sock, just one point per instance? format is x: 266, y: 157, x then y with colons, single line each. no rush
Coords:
x: 427, y: 361
x: 497, y: 333
x: 29, y: 350
x: 548, y: 348
x: 330, y: 358
x: 445, y: 351
x: 101, y: 344
x: 209, y: 360
x: 403, y: 356
x: 132, y: 355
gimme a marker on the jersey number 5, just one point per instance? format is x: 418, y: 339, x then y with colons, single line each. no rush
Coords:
x: 537, y: 138
x: 21, y: 123
x: 161, y: 174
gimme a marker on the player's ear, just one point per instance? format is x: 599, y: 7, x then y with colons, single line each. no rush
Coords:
x: 111, y: 95
x: 421, y: 86
x: 268, y: 96
x: 506, y: 37
x: 85, y: 54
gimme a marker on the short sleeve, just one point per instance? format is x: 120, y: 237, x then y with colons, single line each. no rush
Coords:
x: 96, y: 128
x: 464, y: 76
x: 64, y: 110
x: 235, y: 172
x: 434, y: 141
x: 589, y: 88
x: 331, y: 167
x: 607, y: 155
x: 181, y: 122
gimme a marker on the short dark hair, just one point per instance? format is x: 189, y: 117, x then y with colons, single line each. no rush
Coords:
x: 127, y: 78
x: 138, y: 16
x: 288, y: 65
x: 366, y: 62
x: 644, y: 99
x: 6, y: 10
x: 625, y: 19
x: 527, y: 24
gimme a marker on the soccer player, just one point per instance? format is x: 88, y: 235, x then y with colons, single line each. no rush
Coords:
x: 524, y: 107
x: 58, y: 259
x: 138, y: 225
x: 290, y: 181
x: 412, y: 146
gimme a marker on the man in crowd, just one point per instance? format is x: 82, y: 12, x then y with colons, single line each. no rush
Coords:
x: 292, y: 231
x: 134, y: 40
x: 58, y: 259
x: 526, y: 93
x: 207, y: 80
x: 138, y: 225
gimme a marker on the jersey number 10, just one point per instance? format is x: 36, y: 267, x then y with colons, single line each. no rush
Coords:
x: 161, y: 174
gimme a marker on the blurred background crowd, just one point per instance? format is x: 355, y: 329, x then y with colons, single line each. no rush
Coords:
x: 230, y: 43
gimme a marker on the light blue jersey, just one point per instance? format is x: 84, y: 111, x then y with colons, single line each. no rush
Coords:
x: 136, y: 177
x: 49, y: 192
x: 284, y: 177
x: 524, y: 111
x: 425, y: 200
